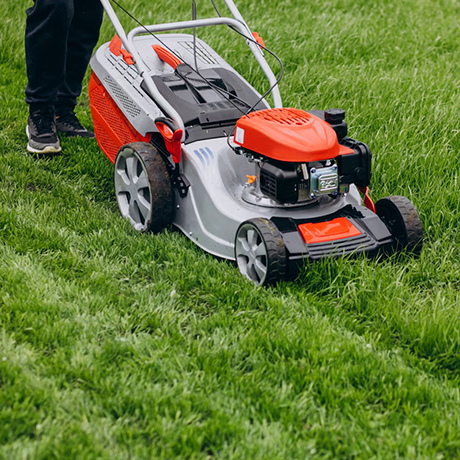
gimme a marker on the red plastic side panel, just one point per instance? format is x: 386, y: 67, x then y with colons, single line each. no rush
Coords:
x: 321, y: 232
x: 112, y: 128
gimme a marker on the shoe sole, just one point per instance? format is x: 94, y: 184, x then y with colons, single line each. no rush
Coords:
x: 47, y: 149
x: 82, y: 135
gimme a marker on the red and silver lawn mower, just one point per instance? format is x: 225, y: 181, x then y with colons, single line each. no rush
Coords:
x: 194, y: 145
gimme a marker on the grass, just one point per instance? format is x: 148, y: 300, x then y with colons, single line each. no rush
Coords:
x: 119, y: 345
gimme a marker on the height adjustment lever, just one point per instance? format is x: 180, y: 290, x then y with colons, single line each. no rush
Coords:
x: 172, y: 136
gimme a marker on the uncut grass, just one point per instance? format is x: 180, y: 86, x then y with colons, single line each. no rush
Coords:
x: 124, y: 345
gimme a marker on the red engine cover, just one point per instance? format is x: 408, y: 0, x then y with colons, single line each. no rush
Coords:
x: 288, y: 135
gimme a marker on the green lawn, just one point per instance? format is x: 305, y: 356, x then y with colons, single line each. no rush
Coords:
x: 116, y: 345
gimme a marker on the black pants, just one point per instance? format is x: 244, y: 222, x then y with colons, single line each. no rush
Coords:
x: 60, y: 37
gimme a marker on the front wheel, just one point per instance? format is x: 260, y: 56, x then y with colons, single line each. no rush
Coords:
x: 402, y: 220
x: 143, y: 187
x: 260, y: 252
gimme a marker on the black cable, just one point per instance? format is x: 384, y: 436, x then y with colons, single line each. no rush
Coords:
x: 274, y: 55
x: 194, y: 34
x: 215, y: 7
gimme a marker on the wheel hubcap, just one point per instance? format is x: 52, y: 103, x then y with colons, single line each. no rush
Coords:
x: 251, y: 254
x: 132, y: 189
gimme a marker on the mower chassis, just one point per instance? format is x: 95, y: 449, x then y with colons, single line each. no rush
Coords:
x: 219, y: 194
x: 213, y: 208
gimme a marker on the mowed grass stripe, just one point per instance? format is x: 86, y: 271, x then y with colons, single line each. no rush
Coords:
x: 60, y: 336
x: 204, y: 374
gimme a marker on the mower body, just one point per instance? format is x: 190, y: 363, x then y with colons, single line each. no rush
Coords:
x: 297, y: 169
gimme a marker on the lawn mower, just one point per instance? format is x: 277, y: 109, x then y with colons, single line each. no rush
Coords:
x: 195, y: 145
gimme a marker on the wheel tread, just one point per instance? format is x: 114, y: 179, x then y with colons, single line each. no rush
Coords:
x: 413, y: 238
x: 160, y: 185
x: 276, y: 250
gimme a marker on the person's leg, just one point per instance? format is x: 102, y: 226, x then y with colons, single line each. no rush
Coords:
x: 47, y: 29
x: 83, y: 36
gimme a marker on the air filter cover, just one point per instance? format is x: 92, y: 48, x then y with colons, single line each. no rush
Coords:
x: 287, y: 135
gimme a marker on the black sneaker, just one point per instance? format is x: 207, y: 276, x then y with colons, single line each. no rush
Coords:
x: 41, y: 131
x: 67, y: 123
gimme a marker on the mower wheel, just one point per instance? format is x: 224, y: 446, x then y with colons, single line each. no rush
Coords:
x: 143, y: 187
x: 260, y: 252
x: 402, y: 220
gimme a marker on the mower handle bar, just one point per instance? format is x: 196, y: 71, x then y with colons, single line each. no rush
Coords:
x: 238, y: 23
x: 242, y: 28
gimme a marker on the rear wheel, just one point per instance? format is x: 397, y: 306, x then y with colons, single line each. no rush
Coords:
x: 260, y: 252
x: 143, y: 188
x: 402, y: 220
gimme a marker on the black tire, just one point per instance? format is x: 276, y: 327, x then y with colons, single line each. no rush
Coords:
x: 143, y: 187
x: 402, y: 220
x: 260, y: 252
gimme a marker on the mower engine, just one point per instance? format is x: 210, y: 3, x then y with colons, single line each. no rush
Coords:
x: 302, y: 155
